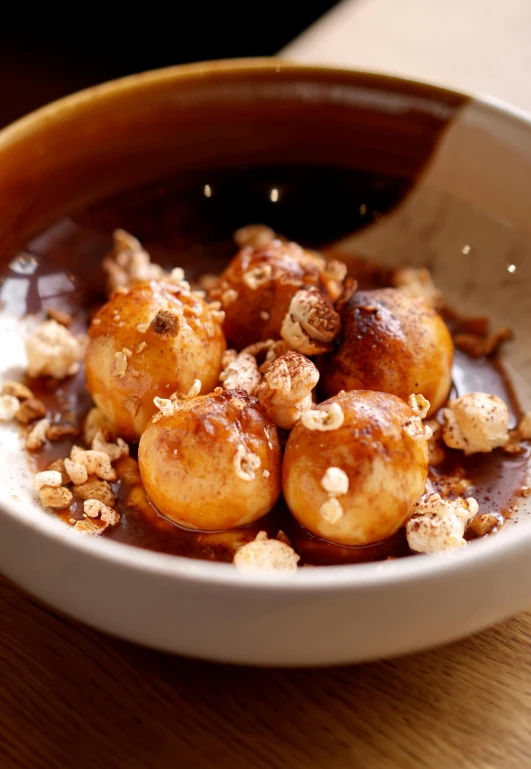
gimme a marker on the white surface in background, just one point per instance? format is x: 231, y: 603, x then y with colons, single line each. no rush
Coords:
x: 477, y: 46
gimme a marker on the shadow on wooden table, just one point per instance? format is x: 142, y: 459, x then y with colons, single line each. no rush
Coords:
x: 73, y: 697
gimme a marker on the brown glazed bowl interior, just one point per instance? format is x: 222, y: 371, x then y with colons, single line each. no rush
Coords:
x: 204, y: 117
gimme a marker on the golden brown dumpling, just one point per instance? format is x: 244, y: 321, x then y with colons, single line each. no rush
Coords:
x: 153, y: 339
x: 391, y: 342
x: 354, y: 466
x: 212, y: 462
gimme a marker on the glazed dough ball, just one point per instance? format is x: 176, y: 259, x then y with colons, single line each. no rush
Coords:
x: 154, y: 339
x: 392, y: 342
x: 257, y: 286
x: 355, y: 466
x: 213, y: 462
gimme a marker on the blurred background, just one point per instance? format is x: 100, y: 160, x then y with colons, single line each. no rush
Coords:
x: 478, y: 46
x: 44, y: 56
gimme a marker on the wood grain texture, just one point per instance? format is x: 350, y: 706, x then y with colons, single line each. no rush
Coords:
x: 73, y: 697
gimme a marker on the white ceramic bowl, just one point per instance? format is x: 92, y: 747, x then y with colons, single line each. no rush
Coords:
x: 472, y: 163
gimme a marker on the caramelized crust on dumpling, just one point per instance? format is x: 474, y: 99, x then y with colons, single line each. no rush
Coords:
x: 212, y: 462
x: 391, y: 342
x: 154, y: 339
x: 257, y: 286
x: 354, y: 467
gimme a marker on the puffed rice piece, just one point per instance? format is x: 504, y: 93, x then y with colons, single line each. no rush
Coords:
x: 113, y: 450
x: 37, y: 437
x: 483, y: 524
x: 17, y: 389
x: 286, y: 390
x: 435, y: 443
x: 316, y: 419
x: 59, y: 465
x: 333, y: 276
x: 195, y: 389
x: 94, y: 488
x: 50, y: 478
x: 335, y: 481
x: 257, y: 276
x: 59, y: 498
x: 240, y: 373
x: 416, y: 429
x: 93, y: 508
x: 263, y: 554
x: 166, y: 407
x: 419, y: 405
x: 331, y: 510
x: 438, y: 525
x: 30, y: 410
x: 129, y: 263
x: 52, y: 350
x: 90, y: 526
x: 476, y: 422
x: 119, y: 365
x: 97, y: 462
x: 245, y: 463
x: 228, y: 297
x: 9, y: 406
x: 311, y: 323
x: 76, y: 471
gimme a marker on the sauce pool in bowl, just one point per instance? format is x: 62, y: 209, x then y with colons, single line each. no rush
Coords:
x: 189, y: 222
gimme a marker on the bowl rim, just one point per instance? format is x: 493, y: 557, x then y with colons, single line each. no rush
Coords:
x: 104, y: 91
x: 379, y: 574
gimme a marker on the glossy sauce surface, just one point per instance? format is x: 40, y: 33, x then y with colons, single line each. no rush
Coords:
x: 189, y: 223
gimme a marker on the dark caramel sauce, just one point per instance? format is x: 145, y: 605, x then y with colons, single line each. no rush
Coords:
x: 189, y: 223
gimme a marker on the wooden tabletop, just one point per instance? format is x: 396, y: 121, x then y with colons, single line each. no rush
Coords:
x: 477, y: 46
x: 73, y: 697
